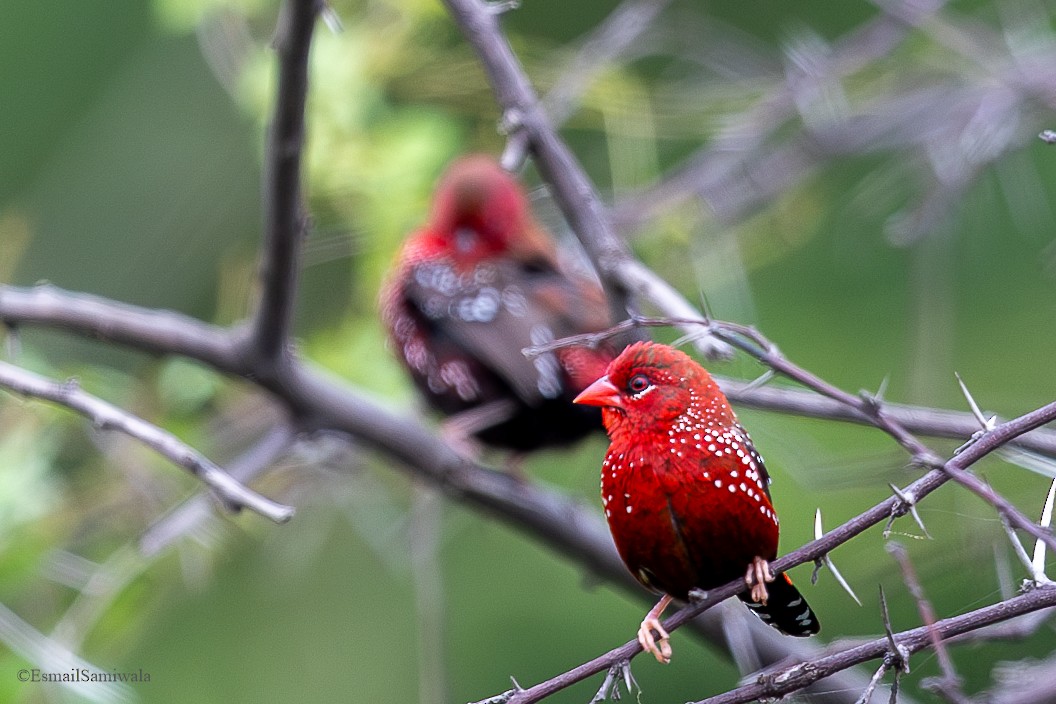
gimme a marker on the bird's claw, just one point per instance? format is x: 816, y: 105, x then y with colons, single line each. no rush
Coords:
x: 660, y: 648
x: 756, y: 577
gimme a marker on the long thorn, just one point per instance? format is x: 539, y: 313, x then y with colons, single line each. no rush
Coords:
x: 1038, y: 563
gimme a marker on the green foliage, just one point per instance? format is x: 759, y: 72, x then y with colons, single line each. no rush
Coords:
x: 185, y: 387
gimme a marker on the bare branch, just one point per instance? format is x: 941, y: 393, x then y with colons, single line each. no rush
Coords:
x: 766, y: 352
x: 622, y: 275
x: 185, y: 517
x: 742, y: 168
x: 618, y: 31
x: 165, y: 332
x: 145, y: 329
x: 798, y: 676
x: 611, y: 38
x: 106, y: 416
x: 285, y: 217
x: 949, y: 687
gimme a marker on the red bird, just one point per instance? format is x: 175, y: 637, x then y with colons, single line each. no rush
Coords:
x: 472, y: 288
x: 686, y: 495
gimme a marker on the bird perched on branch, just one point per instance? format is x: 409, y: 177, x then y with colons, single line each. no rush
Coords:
x: 472, y: 288
x: 685, y: 493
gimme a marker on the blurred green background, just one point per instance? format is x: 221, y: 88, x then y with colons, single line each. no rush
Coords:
x: 130, y: 143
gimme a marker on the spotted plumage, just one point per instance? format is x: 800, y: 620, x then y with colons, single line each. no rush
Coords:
x: 472, y: 288
x: 685, y: 492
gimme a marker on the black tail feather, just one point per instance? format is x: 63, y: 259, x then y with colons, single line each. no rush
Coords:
x: 785, y: 609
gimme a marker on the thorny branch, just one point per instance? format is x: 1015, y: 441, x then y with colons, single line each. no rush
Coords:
x: 798, y: 676
x: 983, y: 446
x: 165, y: 332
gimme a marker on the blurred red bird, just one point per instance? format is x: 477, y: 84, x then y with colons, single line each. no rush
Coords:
x: 686, y: 495
x: 472, y: 288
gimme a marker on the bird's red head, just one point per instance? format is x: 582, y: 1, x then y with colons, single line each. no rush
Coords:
x: 650, y: 388
x: 480, y: 211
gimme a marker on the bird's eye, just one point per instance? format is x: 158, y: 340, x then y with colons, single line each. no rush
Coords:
x: 638, y: 383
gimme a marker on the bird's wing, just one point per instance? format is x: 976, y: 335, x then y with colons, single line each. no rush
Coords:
x: 745, y: 442
x: 493, y: 312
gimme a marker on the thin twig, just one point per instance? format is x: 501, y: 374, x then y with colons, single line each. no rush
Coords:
x: 187, y: 516
x: 611, y: 38
x: 106, y: 416
x: 950, y: 685
x: 741, y: 169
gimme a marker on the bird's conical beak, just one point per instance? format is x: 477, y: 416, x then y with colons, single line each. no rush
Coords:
x: 601, y: 393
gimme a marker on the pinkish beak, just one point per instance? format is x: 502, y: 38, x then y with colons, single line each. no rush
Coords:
x: 601, y: 393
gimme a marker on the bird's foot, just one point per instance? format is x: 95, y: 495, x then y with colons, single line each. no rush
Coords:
x: 458, y: 431
x: 756, y: 577
x: 659, y: 647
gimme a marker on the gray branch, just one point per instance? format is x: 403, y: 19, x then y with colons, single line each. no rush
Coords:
x: 106, y: 416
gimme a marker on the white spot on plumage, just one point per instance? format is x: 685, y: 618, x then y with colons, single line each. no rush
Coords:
x: 546, y: 365
x: 514, y: 300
